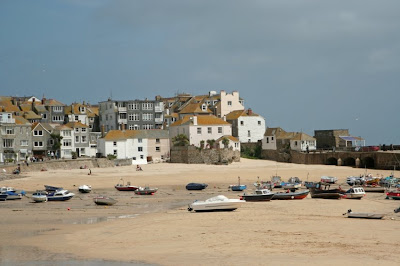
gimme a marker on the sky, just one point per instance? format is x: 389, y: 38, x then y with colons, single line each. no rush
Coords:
x: 303, y: 65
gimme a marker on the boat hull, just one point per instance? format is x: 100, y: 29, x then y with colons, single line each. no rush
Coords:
x: 238, y: 187
x: 261, y: 197
x: 145, y: 191
x: 331, y: 195
x: 221, y: 206
x: 290, y: 195
x: 126, y: 188
x: 353, y: 196
x: 104, y: 201
x: 63, y: 198
x: 39, y: 199
x: 365, y: 215
x: 196, y: 186
x: 3, y: 197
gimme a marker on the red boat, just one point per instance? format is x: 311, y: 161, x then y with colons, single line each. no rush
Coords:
x: 127, y: 187
x: 393, y: 195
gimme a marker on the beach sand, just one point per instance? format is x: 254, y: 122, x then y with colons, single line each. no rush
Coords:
x: 158, y: 229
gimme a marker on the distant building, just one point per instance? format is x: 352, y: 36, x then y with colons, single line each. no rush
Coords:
x: 336, y: 138
x: 278, y: 139
x: 246, y: 125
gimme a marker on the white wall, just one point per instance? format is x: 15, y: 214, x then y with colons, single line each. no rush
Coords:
x: 269, y: 143
x: 250, y: 123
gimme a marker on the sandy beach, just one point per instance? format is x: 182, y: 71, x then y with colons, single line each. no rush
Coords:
x: 159, y: 230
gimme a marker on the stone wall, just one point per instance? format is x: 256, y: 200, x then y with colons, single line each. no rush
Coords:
x: 193, y: 155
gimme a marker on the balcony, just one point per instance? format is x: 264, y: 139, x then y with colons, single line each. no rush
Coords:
x: 7, y: 120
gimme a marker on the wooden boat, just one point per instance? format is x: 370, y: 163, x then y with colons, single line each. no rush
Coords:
x: 363, y: 215
x: 258, y: 195
x: 393, y: 195
x: 103, y: 200
x: 145, y: 191
x: 60, y: 195
x: 323, y: 191
x: 290, y: 195
x: 196, y: 186
x: 218, y: 203
x: 85, y: 189
x: 39, y: 196
x: 354, y: 193
x: 238, y: 187
x: 127, y: 187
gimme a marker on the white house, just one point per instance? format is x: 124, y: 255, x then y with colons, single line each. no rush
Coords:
x: 67, y: 142
x: 303, y: 142
x: 234, y: 143
x: 270, y: 138
x: 142, y: 146
x: 200, y: 128
x: 246, y: 125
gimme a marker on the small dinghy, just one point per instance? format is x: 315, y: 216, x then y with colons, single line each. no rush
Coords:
x: 238, y: 187
x: 85, y: 189
x: 363, y: 215
x: 104, y: 200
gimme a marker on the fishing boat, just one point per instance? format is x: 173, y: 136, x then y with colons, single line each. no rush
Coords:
x: 263, y: 194
x: 238, y: 187
x: 355, y: 180
x: 104, y: 200
x: 393, y: 195
x: 289, y: 195
x: 39, y: 196
x: 145, y: 191
x: 127, y: 187
x: 60, y: 195
x: 363, y: 215
x: 276, y: 181
x: 323, y: 191
x: 196, y: 186
x: 218, y: 203
x: 85, y: 189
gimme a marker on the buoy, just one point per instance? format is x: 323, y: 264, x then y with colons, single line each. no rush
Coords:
x: 69, y: 209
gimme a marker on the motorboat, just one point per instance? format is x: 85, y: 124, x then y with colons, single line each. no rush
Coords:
x: 289, y: 195
x: 355, y: 180
x: 60, y: 195
x: 363, y: 215
x: 354, y: 193
x: 145, y: 191
x: 11, y: 195
x: 196, y: 186
x: 85, y: 189
x: 393, y: 195
x: 51, y: 189
x: 263, y: 194
x: 329, y: 179
x: 126, y: 187
x: 104, y: 200
x: 39, y: 196
x: 3, y: 196
x: 218, y: 203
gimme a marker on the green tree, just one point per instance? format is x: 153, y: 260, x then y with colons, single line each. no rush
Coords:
x: 56, y: 142
x: 180, y: 140
x: 225, y: 142
x: 211, y: 143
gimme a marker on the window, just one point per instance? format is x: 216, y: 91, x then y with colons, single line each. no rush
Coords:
x: 134, y: 158
x: 142, y: 157
x: 57, y: 108
x: 204, y: 107
x: 140, y: 149
x: 84, y: 139
x: 134, y: 117
x: 248, y: 133
x: 66, y: 133
x: 147, y: 106
x: 229, y: 103
x: 147, y: 117
x: 24, y: 143
x: 9, y: 131
x: 76, y: 118
x: 140, y: 140
x: 81, y: 109
x: 272, y: 138
x: 148, y: 126
x: 158, y: 149
x: 157, y: 140
x: 199, y: 130
x: 236, y: 145
x: 58, y: 118
x: 209, y: 130
x: 38, y: 144
x: 115, y: 152
x: 219, y: 130
x: 77, y: 139
x: 51, y: 141
x: 67, y: 143
x: 295, y: 143
x: 77, y: 130
x: 83, y: 129
x: 267, y: 140
x: 259, y: 123
x: 115, y: 143
x: 38, y: 133
x: 44, y: 116
x: 242, y: 123
x: 8, y: 143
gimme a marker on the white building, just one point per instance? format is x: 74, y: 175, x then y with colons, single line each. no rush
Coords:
x: 200, y: 128
x: 246, y: 125
x: 142, y: 146
x: 303, y: 142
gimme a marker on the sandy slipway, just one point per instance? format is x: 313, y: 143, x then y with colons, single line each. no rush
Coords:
x: 158, y: 229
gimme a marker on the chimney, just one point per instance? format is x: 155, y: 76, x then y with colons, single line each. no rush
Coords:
x: 43, y: 100
x: 249, y: 111
x: 195, y: 120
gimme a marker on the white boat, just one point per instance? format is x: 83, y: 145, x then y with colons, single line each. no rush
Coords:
x: 364, y: 215
x: 85, y: 189
x: 60, y: 195
x: 355, y: 193
x: 218, y: 203
x: 39, y: 196
x: 329, y: 179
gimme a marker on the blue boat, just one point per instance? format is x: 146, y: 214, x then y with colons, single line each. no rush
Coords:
x: 60, y: 195
x: 238, y: 187
x: 196, y: 186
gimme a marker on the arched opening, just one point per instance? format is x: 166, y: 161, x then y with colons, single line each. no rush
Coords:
x: 331, y: 161
x: 368, y: 162
x: 349, y: 162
